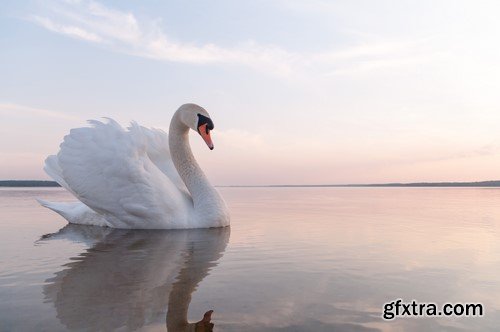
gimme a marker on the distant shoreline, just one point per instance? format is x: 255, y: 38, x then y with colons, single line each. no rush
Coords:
x: 28, y: 183
x: 495, y: 183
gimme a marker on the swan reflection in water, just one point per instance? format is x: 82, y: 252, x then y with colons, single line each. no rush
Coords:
x: 128, y: 278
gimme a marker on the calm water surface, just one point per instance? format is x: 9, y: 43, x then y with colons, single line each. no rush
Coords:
x: 294, y: 259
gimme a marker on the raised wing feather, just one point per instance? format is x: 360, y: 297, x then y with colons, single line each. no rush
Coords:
x: 111, y: 170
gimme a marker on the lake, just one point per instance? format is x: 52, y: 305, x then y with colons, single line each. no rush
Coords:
x: 294, y: 259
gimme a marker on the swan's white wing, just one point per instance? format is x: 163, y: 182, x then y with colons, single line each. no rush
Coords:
x: 73, y: 212
x: 109, y: 170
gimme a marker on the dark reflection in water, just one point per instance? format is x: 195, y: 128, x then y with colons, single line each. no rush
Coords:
x: 128, y: 278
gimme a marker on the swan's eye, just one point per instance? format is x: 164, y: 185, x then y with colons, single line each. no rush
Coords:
x: 203, y: 120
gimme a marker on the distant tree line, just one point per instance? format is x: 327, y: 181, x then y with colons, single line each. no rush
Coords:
x: 495, y: 183
x: 28, y: 183
x: 440, y: 184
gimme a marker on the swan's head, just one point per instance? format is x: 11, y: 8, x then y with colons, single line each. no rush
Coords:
x: 198, y: 119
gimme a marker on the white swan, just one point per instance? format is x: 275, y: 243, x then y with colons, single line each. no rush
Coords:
x: 137, y: 178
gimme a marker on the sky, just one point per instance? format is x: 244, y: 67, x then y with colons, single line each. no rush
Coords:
x: 300, y: 91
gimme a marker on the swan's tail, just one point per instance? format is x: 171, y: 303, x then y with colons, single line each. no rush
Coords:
x: 75, y: 212
x: 64, y: 209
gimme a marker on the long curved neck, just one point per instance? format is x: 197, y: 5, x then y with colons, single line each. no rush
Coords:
x: 190, y: 172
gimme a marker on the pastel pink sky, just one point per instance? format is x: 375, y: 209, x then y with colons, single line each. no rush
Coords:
x: 301, y: 92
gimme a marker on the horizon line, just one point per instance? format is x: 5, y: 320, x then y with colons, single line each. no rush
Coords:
x: 487, y: 183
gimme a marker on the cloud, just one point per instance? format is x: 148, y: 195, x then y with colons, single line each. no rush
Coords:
x: 68, y: 30
x: 123, y: 32
x: 15, y: 109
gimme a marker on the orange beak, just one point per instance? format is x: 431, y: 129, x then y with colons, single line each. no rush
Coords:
x: 205, y: 134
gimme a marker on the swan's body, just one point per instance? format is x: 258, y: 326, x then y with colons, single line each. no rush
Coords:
x: 137, y: 178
